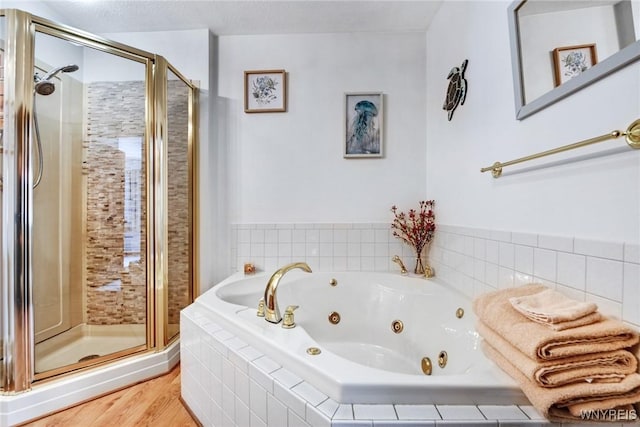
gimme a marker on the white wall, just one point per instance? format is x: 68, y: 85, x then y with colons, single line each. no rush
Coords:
x: 187, y: 50
x: 594, y: 198
x: 288, y: 167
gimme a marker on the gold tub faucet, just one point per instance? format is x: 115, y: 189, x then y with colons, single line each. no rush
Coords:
x: 272, y: 312
x: 398, y: 261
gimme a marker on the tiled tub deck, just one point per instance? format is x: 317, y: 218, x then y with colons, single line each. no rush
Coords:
x: 226, y: 382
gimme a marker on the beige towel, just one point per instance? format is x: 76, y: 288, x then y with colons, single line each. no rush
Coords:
x: 582, y: 321
x: 564, y: 404
x: 610, y: 366
x: 541, y: 343
x: 556, y: 311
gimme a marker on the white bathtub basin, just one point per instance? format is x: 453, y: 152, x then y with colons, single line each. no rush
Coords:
x: 363, y: 360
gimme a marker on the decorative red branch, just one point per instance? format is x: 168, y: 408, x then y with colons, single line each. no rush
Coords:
x: 415, y: 228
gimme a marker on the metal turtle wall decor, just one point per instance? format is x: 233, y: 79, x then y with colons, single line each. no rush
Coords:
x: 457, y: 90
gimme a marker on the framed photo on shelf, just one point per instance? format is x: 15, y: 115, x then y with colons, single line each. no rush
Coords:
x: 363, y: 124
x: 571, y: 61
x: 265, y: 91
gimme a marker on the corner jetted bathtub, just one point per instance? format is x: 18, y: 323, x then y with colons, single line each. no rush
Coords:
x: 365, y: 358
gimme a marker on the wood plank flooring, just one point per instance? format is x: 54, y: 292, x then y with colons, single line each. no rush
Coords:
x: 155, y: 402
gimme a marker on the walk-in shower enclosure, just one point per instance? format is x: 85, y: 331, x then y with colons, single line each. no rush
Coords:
x: 97, y: 250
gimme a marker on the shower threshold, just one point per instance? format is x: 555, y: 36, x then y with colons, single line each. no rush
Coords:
x: 84, y: 342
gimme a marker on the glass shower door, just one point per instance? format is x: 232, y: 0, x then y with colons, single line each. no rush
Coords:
x: 179, y: 195
x: 89, y: 205
x: 97, y: 194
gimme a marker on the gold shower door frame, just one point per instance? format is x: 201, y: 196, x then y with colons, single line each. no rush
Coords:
x: 17, y: 197
x: 163, y: 68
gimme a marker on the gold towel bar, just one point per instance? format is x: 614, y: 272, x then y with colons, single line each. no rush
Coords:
x: 632, y: 136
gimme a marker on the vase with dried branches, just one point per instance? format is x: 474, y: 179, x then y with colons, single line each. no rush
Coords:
x: 415, y: 228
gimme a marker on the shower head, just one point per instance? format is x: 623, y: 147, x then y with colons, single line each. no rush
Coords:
x: 44, y: 85
x: 65, y: 69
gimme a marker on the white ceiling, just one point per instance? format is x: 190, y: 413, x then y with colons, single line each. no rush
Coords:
x: 235, y: 17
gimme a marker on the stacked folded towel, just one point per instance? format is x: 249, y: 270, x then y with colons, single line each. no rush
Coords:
x: 553, y: 309
x: 565, y: 355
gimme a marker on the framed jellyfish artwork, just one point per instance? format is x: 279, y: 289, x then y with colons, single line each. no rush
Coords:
x: 363, y: 124
x: 265, y: 91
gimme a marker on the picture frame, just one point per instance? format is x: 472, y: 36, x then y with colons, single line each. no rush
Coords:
x: 571, y: 61
x: 363, y: 124
x: 265, y: 91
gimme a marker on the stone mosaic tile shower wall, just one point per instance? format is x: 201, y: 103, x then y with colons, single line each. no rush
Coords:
x: 116, y: 286
x: 115, y: 293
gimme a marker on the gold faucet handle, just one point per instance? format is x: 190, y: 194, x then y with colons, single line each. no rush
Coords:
x: 288, y: 320
x: 429, y: 272
x: 260, y: 312
x: 398, y: 261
